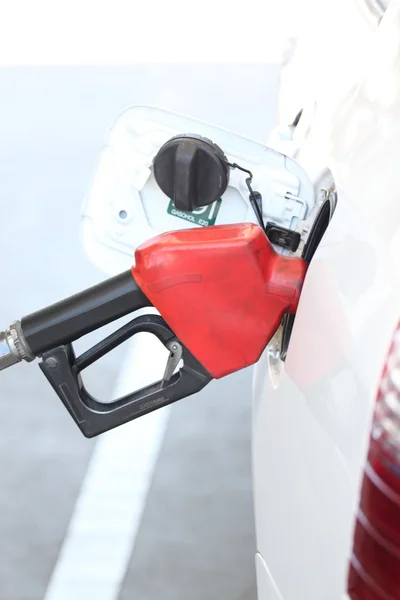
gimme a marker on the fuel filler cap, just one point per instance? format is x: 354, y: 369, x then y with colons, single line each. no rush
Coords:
x: 191, y: 170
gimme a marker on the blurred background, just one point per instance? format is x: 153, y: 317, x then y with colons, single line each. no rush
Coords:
x: 192, y: 534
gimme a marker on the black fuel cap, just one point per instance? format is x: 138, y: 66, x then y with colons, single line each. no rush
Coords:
x: 191, y: 170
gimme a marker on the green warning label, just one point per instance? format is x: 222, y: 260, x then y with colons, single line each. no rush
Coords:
x: 204, y: 216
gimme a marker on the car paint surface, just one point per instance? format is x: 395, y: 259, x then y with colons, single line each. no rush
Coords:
x: 311, y: 426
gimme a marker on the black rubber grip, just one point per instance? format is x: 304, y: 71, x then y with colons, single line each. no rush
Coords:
x: 70, y: 319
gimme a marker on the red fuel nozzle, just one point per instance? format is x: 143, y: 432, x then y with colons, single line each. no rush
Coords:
x: 223, y: 290
x: 221, y: 293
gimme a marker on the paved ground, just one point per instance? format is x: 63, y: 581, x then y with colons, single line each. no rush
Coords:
x: 196, y: 537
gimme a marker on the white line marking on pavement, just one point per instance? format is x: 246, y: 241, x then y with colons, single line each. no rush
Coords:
x: 102, y: 531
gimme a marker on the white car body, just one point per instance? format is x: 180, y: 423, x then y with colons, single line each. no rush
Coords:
x: 312, y: 415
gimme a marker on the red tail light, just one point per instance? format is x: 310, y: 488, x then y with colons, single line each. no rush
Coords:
x: 375, y: 563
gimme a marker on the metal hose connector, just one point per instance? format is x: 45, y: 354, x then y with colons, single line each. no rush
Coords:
x: 13, y: 346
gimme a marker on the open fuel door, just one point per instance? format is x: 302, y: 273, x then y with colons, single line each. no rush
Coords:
x: 126, y: 204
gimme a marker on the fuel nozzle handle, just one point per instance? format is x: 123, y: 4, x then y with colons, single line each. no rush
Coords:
x: 70, y: 319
